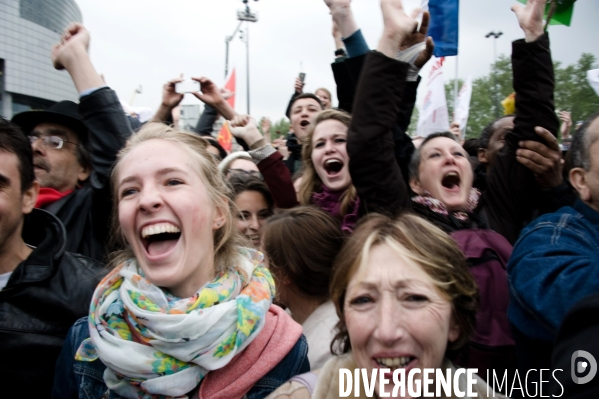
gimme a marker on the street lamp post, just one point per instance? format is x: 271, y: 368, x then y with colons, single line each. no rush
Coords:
x: 247, y: 16
x: 495, y: 36
x: 228, y: 40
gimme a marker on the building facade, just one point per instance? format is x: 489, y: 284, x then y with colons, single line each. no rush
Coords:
x: 190, y: 114
x: 28, y: 30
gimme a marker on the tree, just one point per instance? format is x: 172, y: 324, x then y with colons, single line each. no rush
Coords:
x: 282, y: 126
x: 572, y: 92
x: 486, y: 101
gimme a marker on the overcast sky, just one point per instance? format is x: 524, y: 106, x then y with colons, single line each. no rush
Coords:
x: 147, y: 42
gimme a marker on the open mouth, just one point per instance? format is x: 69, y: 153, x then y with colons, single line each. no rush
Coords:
x: 333, y: 166
x: 394, y: 362
x: 304, y: 123
x: 160, y: 238
x: 451, y: 181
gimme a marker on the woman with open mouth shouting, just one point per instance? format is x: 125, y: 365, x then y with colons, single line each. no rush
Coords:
x: 186, y: 312
x: 326, y: 181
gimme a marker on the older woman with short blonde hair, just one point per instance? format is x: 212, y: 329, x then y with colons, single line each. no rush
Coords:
x: 405, y: 300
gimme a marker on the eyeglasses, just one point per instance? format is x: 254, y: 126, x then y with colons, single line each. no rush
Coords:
x: 253, y: 173
x: 53, y: 142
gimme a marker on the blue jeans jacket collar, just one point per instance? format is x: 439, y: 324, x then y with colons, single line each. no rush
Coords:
x: 589, y: 213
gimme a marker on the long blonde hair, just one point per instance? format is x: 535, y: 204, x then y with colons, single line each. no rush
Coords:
x: 311, y: 182
x: 227, y: 238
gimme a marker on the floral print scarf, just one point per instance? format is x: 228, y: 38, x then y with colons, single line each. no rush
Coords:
x: 437, y: 206
x: 156, y: 345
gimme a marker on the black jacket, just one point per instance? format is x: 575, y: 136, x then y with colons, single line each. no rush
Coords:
x: 512, y: 193
x: 85, y: 212
x: 44, y: 297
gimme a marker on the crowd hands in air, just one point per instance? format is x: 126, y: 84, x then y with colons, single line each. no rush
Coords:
x: 154, y: 264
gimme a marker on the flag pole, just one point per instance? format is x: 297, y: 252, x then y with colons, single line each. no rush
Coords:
x: 552, y: 9
x: 455, y: 87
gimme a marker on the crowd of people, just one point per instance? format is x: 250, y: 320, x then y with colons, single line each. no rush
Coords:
x: 147, y: 262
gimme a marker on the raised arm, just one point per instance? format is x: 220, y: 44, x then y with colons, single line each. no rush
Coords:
x: 99, y: 106
x: 211, y: 95
x: 269, y: 161
x: 109, y: 128
x: 379, y: 96
x: 298, y: 88
x: 513, y: 192
x: 210, y: 115
x: 170, y: 99
x: 71, y: 54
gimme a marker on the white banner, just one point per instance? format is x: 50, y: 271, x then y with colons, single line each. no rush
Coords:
x: 433, y: 112
x: 463, y: 106
x: 593, y: 77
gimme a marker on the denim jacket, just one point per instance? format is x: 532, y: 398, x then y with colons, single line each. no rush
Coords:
x: 84, y: 380
x: 554, y: 265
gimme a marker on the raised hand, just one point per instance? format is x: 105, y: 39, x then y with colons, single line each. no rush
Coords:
x: 419, y: 36
x: 210, y: 92
x: 544, y: 160
x: 298, y: 86
x: 530, y: 18
x: 245, y: 128
x: 343, y: 16
x: 71, y: 54
x: 338, y: 5
x: 170, y: 97
x: 73, y: 42
x: 397, y: 27
x: 211, y: 95
x: 566, y: 124
x: 455, y: 129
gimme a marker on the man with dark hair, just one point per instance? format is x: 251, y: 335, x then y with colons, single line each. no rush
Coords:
x: 555, y: 261
x: 74, y: 147
x: 543, y: 158
x: 492, y: 139
x: 43, y: 288
x: 303, y: 110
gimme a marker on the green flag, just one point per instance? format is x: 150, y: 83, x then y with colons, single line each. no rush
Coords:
x: 562, y: 14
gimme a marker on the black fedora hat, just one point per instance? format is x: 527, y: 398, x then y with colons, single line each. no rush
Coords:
x: 64, y: 113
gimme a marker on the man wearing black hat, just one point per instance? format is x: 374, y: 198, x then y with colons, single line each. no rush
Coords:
x: 74, y: 147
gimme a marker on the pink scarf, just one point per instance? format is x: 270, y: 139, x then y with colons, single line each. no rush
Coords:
x: 277, y: 338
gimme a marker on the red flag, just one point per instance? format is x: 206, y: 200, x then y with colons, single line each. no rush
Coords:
x: 225, y: 138
x: 230, y: 85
